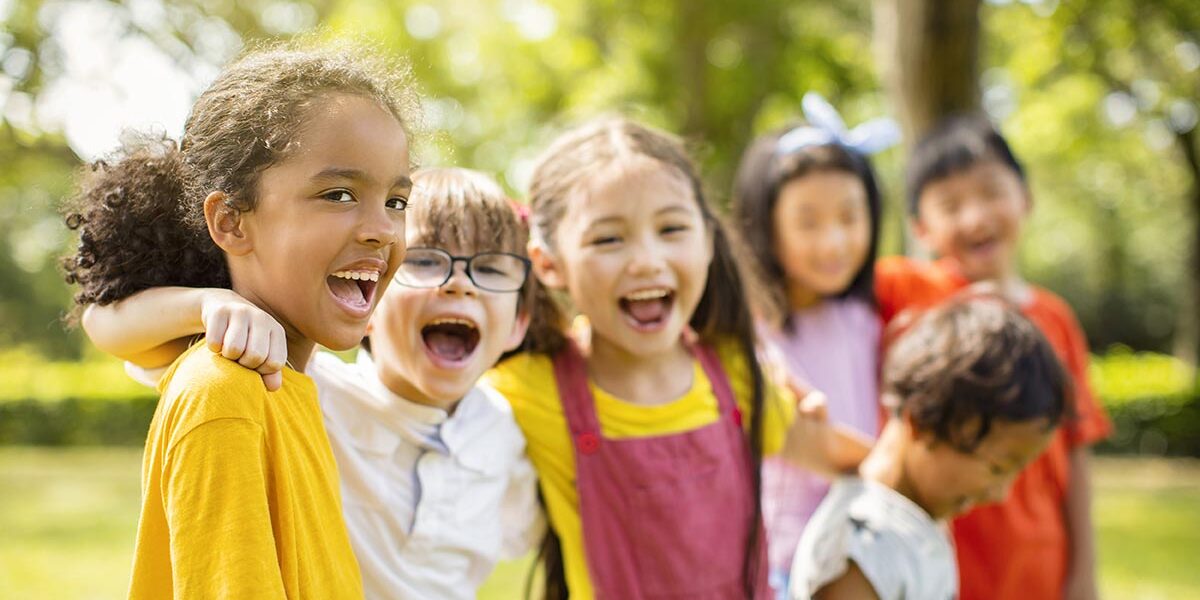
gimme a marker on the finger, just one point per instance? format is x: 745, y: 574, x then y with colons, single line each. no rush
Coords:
x: 273, y: 381
x: 258, y: 346
x: 815, y: 406
x: 214, y: 330
x: 235, y: 336
x: 277, y: 355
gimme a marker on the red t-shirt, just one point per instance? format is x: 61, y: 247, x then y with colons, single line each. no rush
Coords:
x: 1017, y: 549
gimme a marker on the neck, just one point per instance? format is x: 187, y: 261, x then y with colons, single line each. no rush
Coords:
x: 640, y: 378
x: 300, y: 348
x: 886, y: 465
x: 800, y: 297
x: 401, y: 386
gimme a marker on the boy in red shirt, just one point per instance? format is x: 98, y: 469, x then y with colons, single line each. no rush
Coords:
x: 968, y: 200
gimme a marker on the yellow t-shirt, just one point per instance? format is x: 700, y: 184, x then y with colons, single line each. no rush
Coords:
x: 239, y: 490
x: 527, y: 380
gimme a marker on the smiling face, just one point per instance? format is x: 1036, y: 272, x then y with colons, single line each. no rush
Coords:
x: 327, y: 227
x: 431, y: 345
x: 973, y: 217
x: 633, y: 252
x: 822, y: 233
x: 947, y: 481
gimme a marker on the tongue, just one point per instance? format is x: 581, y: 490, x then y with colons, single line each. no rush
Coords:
x: 648, y: 311
x: 347, y: 291
x: 446, y: 345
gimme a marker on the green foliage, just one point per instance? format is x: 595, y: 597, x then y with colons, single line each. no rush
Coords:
x: 71, y: 403
x: 26, y: 376
x: 1110, y: 219
x: 1153, y: 401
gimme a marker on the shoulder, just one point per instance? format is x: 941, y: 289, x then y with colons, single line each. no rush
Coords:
x: 202, y: 386
x: 894, y: 546
x: 1052, y: 305
x: 896, y: 266
x: 523, y: 379
x: 332, y: 374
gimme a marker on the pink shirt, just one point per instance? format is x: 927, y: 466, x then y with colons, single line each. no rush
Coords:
x: 834, y: 347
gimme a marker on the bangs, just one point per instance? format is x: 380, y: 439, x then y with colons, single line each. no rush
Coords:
x: 464, y: 210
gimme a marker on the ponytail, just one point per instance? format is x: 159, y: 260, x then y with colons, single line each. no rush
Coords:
x: 134, y: 233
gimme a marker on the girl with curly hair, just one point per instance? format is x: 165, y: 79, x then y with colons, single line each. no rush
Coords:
x: 289, y: 188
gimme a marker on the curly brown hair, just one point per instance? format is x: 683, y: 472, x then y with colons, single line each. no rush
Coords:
x: 140, y: 213
x: 972, y: 362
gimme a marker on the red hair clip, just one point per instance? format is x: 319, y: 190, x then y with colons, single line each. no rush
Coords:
x: 521, y: 210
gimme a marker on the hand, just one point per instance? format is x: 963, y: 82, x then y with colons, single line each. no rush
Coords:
x: 242, y: 332
x: 814, y: 443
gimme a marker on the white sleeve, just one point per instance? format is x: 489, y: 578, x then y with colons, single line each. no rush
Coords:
x: 521, y: 514
x: 144, y: 376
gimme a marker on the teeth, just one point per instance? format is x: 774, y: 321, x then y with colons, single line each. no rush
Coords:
x: 648, y: 295
x: 358, y: 275
x: 453, y: 321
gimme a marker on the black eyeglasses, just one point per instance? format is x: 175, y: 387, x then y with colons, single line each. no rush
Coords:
x: 491, y: 271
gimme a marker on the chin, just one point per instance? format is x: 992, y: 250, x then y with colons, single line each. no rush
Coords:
x: 342, y: 340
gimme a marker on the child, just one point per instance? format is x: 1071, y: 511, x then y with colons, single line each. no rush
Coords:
x: 977, y: 394
x: 647, y: 448
x: 807, y: 205
x: 435, y: 483
x: 968, y: 199
x: 240, y: 494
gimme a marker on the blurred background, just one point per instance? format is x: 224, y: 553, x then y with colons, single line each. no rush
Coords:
x: 1098, y: 97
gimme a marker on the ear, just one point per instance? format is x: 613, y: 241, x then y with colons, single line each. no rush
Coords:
x: 545, y: 266
x: 517, y: 335
x: 920, y: 232
x: 225, y: 225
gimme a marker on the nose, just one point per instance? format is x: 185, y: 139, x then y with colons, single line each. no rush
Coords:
x: 973, y: 215
x: 646, y: 258
x: 833, y: 241
x: 459, y: 283
x: 379, y: 226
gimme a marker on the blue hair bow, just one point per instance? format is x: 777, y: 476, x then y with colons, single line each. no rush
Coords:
x: 827, y: 127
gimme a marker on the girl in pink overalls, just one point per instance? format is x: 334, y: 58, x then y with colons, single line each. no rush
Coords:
x: 647, y: 443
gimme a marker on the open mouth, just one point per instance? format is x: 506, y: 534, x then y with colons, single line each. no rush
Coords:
x: 648, y: 310
x: 450, y: 339
x: 354, y: 290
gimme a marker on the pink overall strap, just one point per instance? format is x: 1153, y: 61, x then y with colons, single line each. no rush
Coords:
x: 715, y: 372
x: 570, y: 374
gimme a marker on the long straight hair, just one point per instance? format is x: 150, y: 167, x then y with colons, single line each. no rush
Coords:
x: 722, y: 314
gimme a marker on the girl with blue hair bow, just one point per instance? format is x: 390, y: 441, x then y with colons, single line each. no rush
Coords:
x: 807, y: 204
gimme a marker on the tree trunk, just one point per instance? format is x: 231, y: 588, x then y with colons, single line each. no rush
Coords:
x: 1187, y: 332
x: 929, y: 51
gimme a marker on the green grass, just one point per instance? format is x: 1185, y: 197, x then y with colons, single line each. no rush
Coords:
x: 68, y: 516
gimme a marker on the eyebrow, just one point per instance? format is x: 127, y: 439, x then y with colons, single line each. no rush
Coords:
x: 403, y: 181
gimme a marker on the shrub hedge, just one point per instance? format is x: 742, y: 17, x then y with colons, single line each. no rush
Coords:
x: 1153, y: 400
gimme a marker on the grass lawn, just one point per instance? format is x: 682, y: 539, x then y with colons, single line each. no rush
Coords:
x: 67, y: 519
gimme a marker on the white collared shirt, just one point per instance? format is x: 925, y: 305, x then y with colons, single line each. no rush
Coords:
x: 899, y: 548
x: 431, y: 500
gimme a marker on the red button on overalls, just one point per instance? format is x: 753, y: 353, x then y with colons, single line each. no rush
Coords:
x: 588, y: 442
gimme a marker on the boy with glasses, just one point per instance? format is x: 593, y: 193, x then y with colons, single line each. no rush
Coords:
x: 435, y: 484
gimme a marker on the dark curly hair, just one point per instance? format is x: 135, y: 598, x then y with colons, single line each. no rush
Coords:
x: 140, y: 213
x: 761, y: 176
x: 972, y: 362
